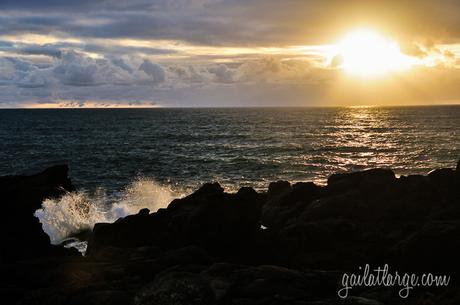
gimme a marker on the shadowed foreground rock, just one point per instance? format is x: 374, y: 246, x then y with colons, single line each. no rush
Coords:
x: 21, y: 233
x: 289, y: 245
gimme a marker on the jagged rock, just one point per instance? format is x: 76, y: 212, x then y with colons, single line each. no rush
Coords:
x: 101, y: 297
x: 277, y: 188
x: 224, y: 283
x: 209, y: 248
x: 144, y: 211
x: 148, y: 267
x: 285, y: 202
x: 176, y: 288
x: 269, y: 282
x: 21, y: 233
x: 435, y: 247
x: 360, y: 301
x: 377, y: 179
x: 209, y: 217
x: 443, y: 178
x: 27, y: 192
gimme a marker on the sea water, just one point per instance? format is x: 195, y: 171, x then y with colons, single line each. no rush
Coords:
x: 124, y: 159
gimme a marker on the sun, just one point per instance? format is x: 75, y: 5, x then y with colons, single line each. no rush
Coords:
x: 366, y: 53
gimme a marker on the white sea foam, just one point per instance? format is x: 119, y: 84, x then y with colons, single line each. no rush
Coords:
x: 78, y: 211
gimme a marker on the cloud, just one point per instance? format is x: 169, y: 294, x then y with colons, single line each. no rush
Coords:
x: 35, y: 79
x: 8, y: 70
x: 275, y: 70
x: 41, y: 50
x: 30, y: 49
x: 266, y: 81
x: 56, y: 49
x: 222, y: 73
x: 119, y: 62
x: 128, y: 79
x: 174, y: 52
x: 76, y: 70
x: 155, y: 71
x: 231, y: 22
x: 67, y: 76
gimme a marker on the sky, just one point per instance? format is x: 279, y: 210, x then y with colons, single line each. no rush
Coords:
x: 193, y: 53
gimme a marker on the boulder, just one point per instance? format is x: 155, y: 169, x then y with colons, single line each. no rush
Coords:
x: 176, y: 288
x: 210, y: 248
x: 285, y: 202
x: 149, y: 266
x: 224, y: 283
x: 434, y: 247
x: 26, y: 193
x: 377, y: 179
x: 218, y: 221
x: 21, y: 233
x: 442, y: 178
x: 277, y: 188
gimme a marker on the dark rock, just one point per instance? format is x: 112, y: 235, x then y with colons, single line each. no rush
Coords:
x: 176, y: 288
x: 246, y: 192
x: 26, y: 193
x: 435, y: 247
x: 445, y: 182
x: 208, y: 189
x: 277, y: 188
x: 21, y: 233
x: 144, y: 211
x: 101, y: 297
x: 357, y: 217
x: 370, y: 180
x: 209, y: 248
x: 442, y: 177
x: 128, y: 232
x: 273, y: 281
x: 224, y: 283
x: 218, y: 221
x: 285, y: 202
x: 149, y: 267
x: 83, y: 235
x: 360, y: 301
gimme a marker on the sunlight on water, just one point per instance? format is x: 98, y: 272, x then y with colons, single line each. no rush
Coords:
x: 185, y: 148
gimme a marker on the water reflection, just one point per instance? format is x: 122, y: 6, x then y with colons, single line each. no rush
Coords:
x: 237, y: 147
x: 359, y: 138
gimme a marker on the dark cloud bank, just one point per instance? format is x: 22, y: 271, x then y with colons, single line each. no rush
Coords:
x: 65, y: 70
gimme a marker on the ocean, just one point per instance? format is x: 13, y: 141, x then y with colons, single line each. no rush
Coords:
x: 123, y: 160
x: 183, y: 148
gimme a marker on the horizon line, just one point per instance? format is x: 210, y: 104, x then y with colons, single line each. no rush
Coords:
x: 236, y: 107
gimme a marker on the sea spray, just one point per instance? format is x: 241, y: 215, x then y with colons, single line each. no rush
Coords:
x: 78, y: 211
x: 141, y: 193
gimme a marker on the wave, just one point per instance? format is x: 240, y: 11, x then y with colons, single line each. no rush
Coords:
x: 75, y: 212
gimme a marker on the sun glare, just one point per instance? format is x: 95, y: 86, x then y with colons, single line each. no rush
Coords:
x: 366, y: 53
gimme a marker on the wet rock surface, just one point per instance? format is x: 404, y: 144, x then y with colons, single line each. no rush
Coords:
x: 289, y: 245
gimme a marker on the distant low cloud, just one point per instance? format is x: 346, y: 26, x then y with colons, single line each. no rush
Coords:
x: 66, y: 76
x: 127, y: 79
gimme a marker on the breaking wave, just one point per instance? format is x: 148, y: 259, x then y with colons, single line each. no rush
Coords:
x: 79, y: 211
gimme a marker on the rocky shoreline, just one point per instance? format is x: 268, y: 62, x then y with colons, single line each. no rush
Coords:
x: 288, y: 245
